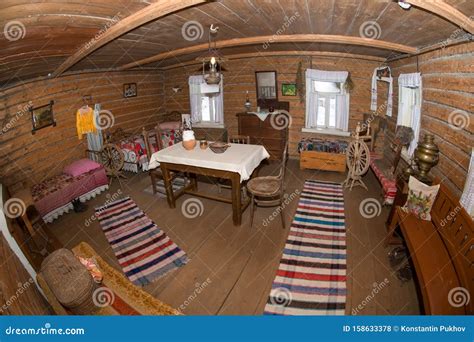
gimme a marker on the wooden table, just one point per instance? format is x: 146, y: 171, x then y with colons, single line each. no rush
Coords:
x: 236, y: 164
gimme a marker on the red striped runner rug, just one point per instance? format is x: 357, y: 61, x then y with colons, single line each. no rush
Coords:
x: 143, y: 250
x: 311, y: 277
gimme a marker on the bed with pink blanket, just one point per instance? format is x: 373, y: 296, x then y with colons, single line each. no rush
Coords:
x: 53, y: 197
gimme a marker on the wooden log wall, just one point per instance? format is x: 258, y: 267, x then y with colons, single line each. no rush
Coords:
x: 27, y: 159
x: 18, y: 292
x: 240, y: 77
x: 448, y: 97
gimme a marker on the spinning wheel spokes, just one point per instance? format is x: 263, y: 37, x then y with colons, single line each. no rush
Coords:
x: 112, y: 158
x: 358, y: 159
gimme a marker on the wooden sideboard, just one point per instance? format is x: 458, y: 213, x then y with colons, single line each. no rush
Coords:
x: 272, y: 137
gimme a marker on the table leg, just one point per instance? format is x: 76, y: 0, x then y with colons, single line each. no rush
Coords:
x: 391, y: 228
x: 168, y: 185
x: 194, y: 182
x: 236, y: 199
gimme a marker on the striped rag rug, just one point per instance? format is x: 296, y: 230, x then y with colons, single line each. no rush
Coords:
x: 311, y: 277
x: 143, y: 250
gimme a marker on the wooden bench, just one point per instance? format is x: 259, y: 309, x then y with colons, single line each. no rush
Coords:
x: 442, y: 251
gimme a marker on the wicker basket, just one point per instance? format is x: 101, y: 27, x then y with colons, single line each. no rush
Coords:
x: 70, y: 282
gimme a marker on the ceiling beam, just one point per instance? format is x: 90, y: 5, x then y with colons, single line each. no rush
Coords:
x: 293, y: 53
x: 440, y: 45
x: 152, y: 12
x: 445, y: 11
x: 268, y: 40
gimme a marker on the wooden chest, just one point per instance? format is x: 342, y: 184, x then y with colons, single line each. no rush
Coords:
x: 272, y: 137
x: 323, y: 161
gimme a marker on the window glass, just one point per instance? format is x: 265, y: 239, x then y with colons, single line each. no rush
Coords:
x: 205, y: 109
x: 332, y: 112
x: 321, y: 119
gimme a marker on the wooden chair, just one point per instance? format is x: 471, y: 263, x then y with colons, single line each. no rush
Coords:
x: 155, y: 174
x: 238, y: 139
x: 268, y: 191
x: 234, y: 139
x: 148, y: 136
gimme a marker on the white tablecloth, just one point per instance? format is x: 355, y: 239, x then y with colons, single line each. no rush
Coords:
x: 240, y: 158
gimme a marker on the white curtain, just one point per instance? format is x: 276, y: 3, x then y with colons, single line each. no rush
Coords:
x: 412, y: 80
x: 327, y: 76
x: 410, y: 92
x: 467, y: 198
x: 195, y: 97
x: 311, y: 101
x: 342, y: 100
x: 342, y: 110
x: 373, y: 100
x: 219, y: 98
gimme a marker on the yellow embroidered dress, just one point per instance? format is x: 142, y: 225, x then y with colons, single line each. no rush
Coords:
x: 85, y: 121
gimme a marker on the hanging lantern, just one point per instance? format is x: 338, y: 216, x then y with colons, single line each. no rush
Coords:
x: 214, y: 76
x: 212, y: 60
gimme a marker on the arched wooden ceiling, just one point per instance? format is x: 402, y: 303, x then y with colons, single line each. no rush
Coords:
x: 70, y: 36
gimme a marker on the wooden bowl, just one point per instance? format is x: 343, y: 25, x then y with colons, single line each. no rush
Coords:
x: 218, y: 147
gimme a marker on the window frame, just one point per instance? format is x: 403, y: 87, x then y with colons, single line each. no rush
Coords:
x: 327, y: 114
x: 327, y: 129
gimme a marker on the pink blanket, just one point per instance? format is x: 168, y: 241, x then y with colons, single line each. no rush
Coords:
x: 60, y: 190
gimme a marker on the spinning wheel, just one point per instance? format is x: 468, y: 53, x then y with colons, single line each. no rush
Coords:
x: 111, y: 156
x: 358, y: 160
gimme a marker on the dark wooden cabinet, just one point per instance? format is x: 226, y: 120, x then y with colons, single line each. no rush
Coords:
x: 271, y: 136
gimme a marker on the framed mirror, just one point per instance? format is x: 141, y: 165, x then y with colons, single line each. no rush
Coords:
x: 266, y: 83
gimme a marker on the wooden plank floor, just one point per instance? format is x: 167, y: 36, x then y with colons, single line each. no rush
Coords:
x: 233, y: 267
